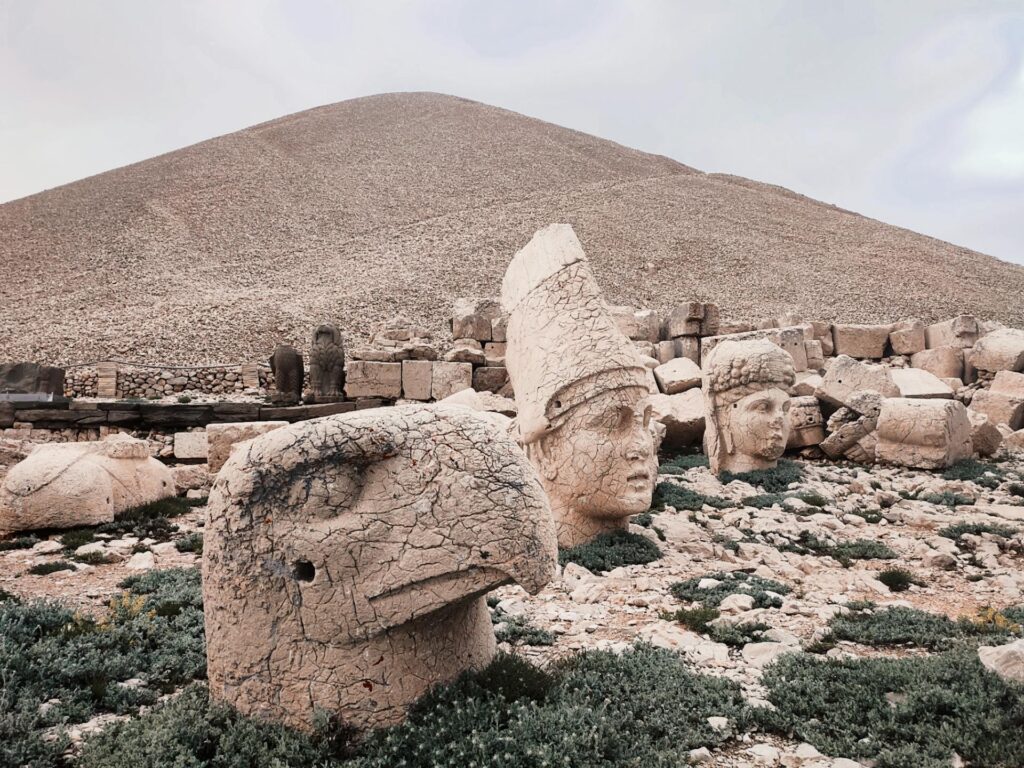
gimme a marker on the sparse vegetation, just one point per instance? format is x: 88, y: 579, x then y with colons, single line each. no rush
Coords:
x: 766, y: 592
x: 152, y: 634
x: 774, y: 480
x: 979, y: 472
x: 897, y: 625
x: 19, y: 542
x: 190, y: 542
x: 517, y: 630
x: 845, y: 552
x: 946, y: 499
x: 598, y: 709
x: 611, y: 550
x: 977, y: 529
x: 898, y: 713
x: 673, y: 494
x: 898, y: 579
x: 695, y: 619
x: 681, y: 462
x: 738, y: 635
x: 44, y: 569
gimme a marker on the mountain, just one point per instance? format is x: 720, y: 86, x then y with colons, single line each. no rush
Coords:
x: 399, y: 203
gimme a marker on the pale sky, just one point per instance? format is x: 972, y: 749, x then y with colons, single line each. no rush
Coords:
x: 909, y: 111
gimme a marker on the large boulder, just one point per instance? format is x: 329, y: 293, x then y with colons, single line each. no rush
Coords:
x: 682, y: 415
x: 942, y: 362
x: 917, y: 382
x: 1001, y: 350
x: 961, y: 331
x: 861, y: 341
x: 64, y: 485
x: 846, y: 377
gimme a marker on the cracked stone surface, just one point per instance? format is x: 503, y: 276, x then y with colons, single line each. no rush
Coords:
x: 746, y: 404
x: 346, y: 558
x: 63, y: 485
x: 581, y: 389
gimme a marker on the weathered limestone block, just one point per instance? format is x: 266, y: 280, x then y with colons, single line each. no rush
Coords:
x: 1008, y: 383
x: 190, y: 445
x: 822, y: 331
x: 746, y: 404
x: 417, y: 379
x: 63, y: 485
x: 682, y: 415
x: 677, y: 375
x: 711, y: 323
x: 999, y: 408
x: 369, y: 379
x: 449, y: 378
x: 985, y: 437
x: 286, y: 363
x: 346, y: 560
x: 326, y: 364
x: 683, y: 320
x: 907, y: 337
x: 961, y: 331
x: 106, y: 380
x: 1006, y: 661
x: 637, y: 324
x: 815, y: 354
x: 580, y: 387
x: 943, y: 362
x: 807, y: 383
x: 465, y: 351
x: 250, y: 374
x: 861, y: 341
x: 494, y: 353
x: 851, y: 435
x: 688, y: 347
x: 1001, y: 350
x: 489, y: 378
x: 222, y: 438
x: 917, y: 382
x: 665, y: 351
x: 806, y: 424
x: 845, y: 377
x: 190, y: 477
x: 472, y: 318
x: 927, y: 434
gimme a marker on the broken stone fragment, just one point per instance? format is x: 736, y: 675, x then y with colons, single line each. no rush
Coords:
x: 677, y: 375
x: 907, y: 337
x: 961, y: 331
x: 927, y: 434
x: 861, y: 341
x: 943, y: 362
x: 845, y: 377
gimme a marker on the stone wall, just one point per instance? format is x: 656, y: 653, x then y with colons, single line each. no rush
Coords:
x: 150, y: 382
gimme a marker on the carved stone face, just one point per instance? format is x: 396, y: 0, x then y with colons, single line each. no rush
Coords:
x: 758, y: 426
x: 599, y: 463
x: 347, y: 556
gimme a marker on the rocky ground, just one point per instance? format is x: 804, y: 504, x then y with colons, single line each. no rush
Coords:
x: 821, y: 541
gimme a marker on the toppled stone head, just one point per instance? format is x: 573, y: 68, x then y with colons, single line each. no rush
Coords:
x: 581, y: 389
x: 746, y: 396
x: 346, y: 559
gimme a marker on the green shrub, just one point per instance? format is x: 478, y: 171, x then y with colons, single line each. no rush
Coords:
x: 611, y: 550
x: 764, y: 591
x: 1015, y: 489
x: 152, y: 632
x: 597, y: 710
x: 975, y: 471
x: 947, y: 499
x: 517, y: 630
x: 869, y: 515
x: 898, y: 579
x: 976, y: 529
x: 1014, y: 614
x: 190, y: 542
x: 7, y: 597
x: 773, y: 480
x: 44, y: 569
x: 897, y: 625
x: 20, y: 542
x: 695, y: 619
x: 149, y: 521
x: 898, y: 713
x: 738, y: 635
x: 184, y: 399
x: 845, y: 552
x: 813, y: 498
x: 680, y: 463
x: 673, y: 494
x: 77, y: 537
x: 95, y: 558
x: 763, y: 500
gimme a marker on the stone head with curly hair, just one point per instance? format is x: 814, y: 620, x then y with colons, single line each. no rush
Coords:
x: 746, y: 404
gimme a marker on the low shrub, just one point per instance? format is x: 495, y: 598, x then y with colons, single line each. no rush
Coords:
x: 673, y: 494
x: 957, y: 530
x: 517, y: 630
x: 898, y: 579
x: 845, y: 551
x: 190, y: 542
x: 898, y: 713
x: 738, y: 635
x: 153, y: 633
x: 695, y: 619
x: 597, y: 710
x: 766, y: 592
x: 19, y: 542
x: 681, y: 462
x: 1015, y: 489
x: 773, y: 480
x: 975, y: 471
x: 897, y: 625
x: 94, y: 558
x: 946, y: 499
x: 611, y: 550
x: 763, y: 500
x: 44, y: 569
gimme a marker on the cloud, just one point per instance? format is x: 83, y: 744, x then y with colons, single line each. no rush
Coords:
x: 910, y: 112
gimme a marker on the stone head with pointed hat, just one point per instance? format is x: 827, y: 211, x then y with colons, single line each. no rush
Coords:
x: 746, y: 404
x: 581, y: 389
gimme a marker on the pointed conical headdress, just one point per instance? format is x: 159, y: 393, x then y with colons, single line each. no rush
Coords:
x: 563, y: 347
